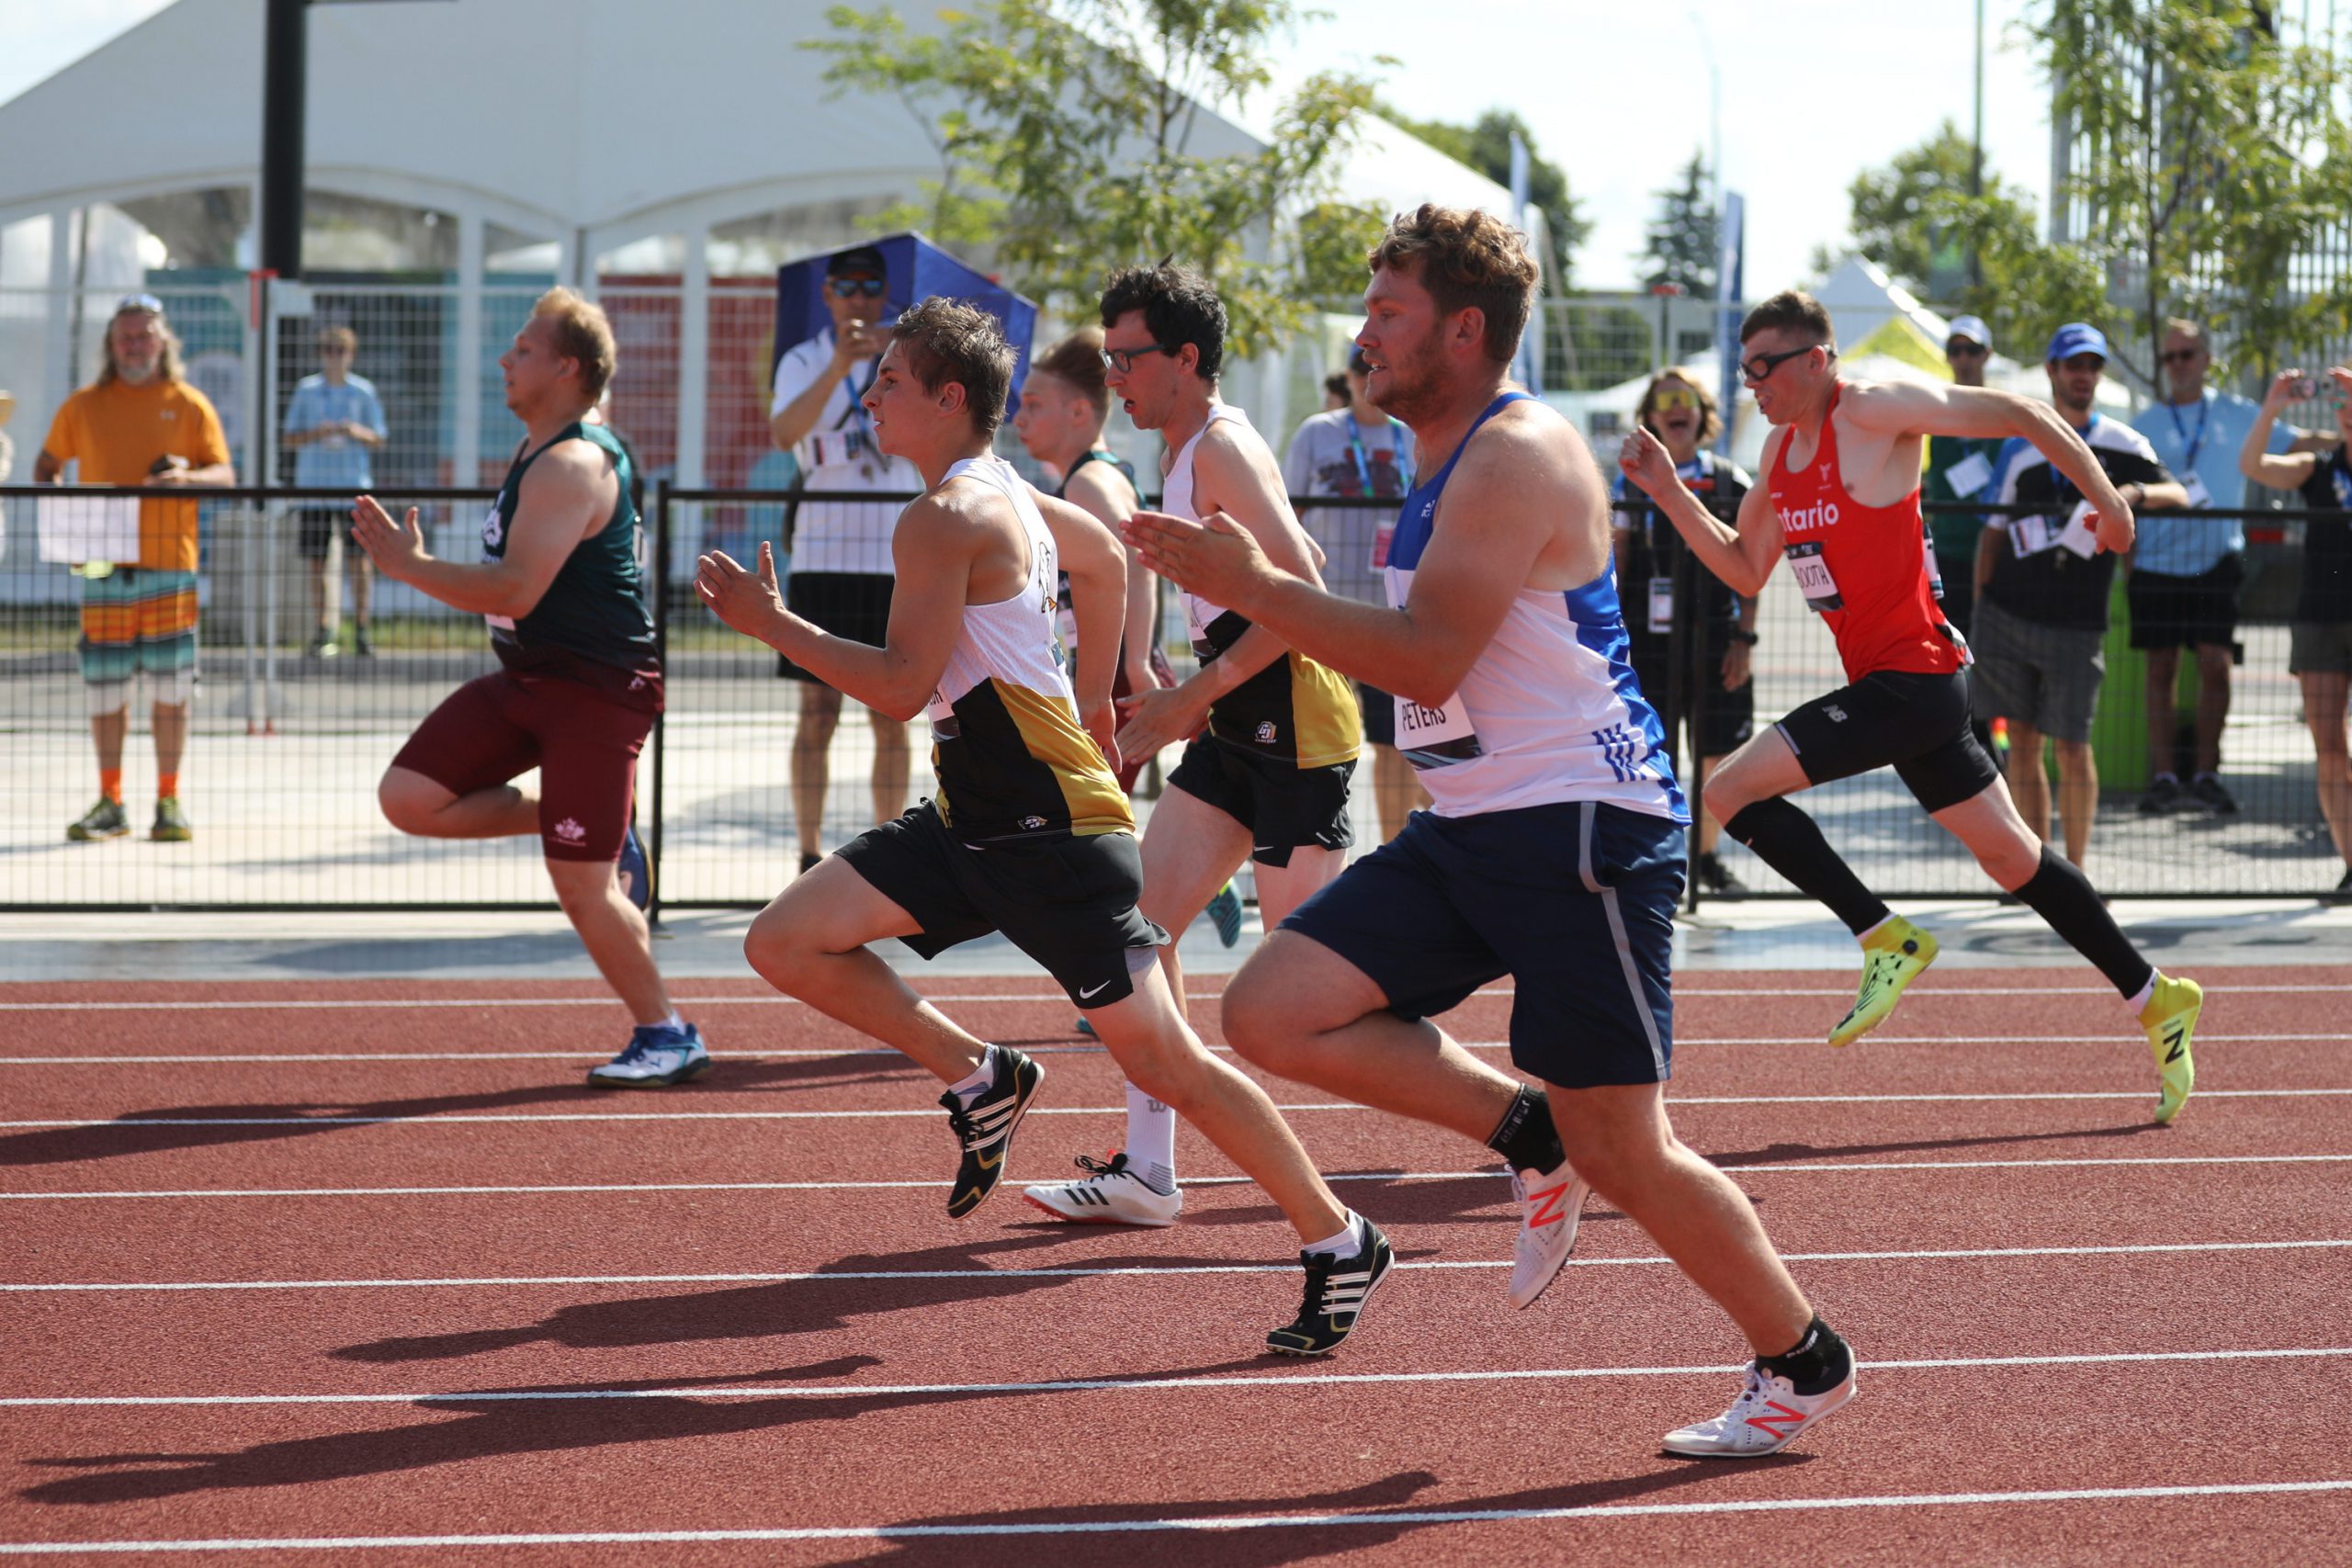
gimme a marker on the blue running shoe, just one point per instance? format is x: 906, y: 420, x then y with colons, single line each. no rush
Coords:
x: 657, y: 1056
x: 635, y: 883
x: 1225, y: 911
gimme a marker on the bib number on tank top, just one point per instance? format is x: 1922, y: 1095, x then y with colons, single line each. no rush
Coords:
x: 1810, y: 569
x: 1438, y: 737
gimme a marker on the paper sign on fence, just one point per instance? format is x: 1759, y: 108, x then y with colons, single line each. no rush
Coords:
x: 77, y: 529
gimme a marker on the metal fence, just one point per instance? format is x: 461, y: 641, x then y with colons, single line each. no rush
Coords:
x: 288, y: 741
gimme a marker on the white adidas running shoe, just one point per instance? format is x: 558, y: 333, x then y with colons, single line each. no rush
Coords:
x: 1111, y: 1195
x: 1551, y: 1204
x: 1764, y: 1419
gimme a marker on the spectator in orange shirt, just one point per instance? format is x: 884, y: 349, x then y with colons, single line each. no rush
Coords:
x: 140, y: 424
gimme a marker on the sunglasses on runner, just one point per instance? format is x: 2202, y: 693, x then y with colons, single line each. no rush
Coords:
x: 1123, y: 360
x: 1761, y: 368
x: 1667, y: 398
x: 2179, y: 355
x: 851, y: 287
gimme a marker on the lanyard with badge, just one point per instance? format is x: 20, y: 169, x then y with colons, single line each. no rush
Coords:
x: 1661, y: 617
x: 2197, y: 494
x: 1386, y: 532
x: 2032, y: 536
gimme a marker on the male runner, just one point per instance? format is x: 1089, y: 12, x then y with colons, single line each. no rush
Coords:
x: 1030, y: 833
x: 1841, y: 501
x: 1555, y: 850
x: 579, y: 683
x: 1268, y: 780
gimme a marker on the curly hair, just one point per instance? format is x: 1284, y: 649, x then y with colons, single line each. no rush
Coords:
x: 1178, y: 306
x: 1467, y: 260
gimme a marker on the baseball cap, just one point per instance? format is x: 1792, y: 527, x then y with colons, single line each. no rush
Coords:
x: 1972, y: 328
x: 2074, y: 338
x: 1356, y: 361
x: 857, y: 258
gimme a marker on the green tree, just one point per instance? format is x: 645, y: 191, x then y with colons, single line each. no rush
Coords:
x: 1680, y: 245
x: 1484, y: 145
x: 2213, y: 162
x: 1068, y: 137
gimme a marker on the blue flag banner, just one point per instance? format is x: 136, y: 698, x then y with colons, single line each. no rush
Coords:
x: 1730, y: 285
x: 917, y: 270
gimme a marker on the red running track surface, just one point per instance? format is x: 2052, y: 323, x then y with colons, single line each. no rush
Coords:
x: 292, y: 1265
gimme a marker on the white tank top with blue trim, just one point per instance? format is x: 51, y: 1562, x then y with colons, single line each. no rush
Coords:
x: 1549, y: 712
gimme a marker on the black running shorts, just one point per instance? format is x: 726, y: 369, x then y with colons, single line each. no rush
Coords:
x: 1068, y: 902
x: 1916, y: 724
x: 1284, y: 807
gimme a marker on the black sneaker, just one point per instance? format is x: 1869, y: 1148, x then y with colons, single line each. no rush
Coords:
x: 321, y: 645
x: 2207, y: 791
x: 2164, y: 795
x: 810, y: 862
x: 986, y: 1130
x: 1717, y: 878
x: 1336, y: 1292
x: 360, y: 647
x: 2342, y: 893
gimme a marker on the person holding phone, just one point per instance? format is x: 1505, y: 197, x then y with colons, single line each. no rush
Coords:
x: 841, y: 578
x: 2321, y: 654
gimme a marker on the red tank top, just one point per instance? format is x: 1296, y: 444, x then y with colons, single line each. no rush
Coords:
x: 1863, y: 568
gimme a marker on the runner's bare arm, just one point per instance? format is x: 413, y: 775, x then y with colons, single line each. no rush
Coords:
x: 931, y: 550
x: 1495, y: 527
x: 568, y: 494
x: 1097, y: 564
x: 1895, y: 409
x: 1742, y: 556
x: 1104, y: 492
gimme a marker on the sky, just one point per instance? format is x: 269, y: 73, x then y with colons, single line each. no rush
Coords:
x: 1811, y: 92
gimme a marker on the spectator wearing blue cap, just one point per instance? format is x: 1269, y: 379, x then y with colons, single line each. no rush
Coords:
x: 2186, y: 571
x: 2042, y: 587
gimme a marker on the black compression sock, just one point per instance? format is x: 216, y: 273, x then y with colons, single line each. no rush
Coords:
x: 1815, y: 1364
x: 1790, y: 843
x: 1525, y: 1135
x: 2063, y: 897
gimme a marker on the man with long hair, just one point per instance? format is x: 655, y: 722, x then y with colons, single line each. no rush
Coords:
x: 142, y: 422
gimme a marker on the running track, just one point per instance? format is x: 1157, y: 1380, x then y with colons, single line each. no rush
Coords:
x: 286, y: 1267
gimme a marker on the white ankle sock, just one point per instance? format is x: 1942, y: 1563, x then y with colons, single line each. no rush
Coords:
x: 2139, y: 1001
x: 674, y: 1022
x: 1338, y: 1246
x: 1151, y: 1141
x: 970, y: 1088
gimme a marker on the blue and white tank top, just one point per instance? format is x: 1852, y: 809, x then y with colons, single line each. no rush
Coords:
x: 1549, y: 712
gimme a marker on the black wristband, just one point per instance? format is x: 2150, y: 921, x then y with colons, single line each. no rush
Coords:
x: 1742, y: 635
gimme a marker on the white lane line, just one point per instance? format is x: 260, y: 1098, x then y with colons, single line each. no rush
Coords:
x: 1204, y: 1384
x: 127, y: 1123
x: 1803, y: 1170
x: 1150, y: 1271
x: 391, y: 1004
x: 1370, y: 1520
x: 819, y: 1053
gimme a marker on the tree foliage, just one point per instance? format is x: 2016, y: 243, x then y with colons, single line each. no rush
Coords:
x: 2212, y: 163
x: 1680, y: 246
x: 1070, y: 133
x: 1484, y: 145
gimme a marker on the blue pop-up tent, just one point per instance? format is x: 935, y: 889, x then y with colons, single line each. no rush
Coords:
x: 918, y: 270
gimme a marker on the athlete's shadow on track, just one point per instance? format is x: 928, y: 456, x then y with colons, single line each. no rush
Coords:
x: 785, y: 1306
x: 1269, y: 1545
x: 1775, y: 1154
x: 156, y: 1132
x: 460, y: 1429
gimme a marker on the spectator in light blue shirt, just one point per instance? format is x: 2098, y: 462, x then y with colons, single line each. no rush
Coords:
x: 2186, y: 570
x: 335, y: 425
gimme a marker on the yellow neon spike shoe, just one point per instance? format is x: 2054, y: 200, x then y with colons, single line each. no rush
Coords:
x: 2170, y: 1017
x: 1893, y: 956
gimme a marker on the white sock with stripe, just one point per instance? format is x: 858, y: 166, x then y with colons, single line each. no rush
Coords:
x: 1151, y: 1141
x: 971, y: 1087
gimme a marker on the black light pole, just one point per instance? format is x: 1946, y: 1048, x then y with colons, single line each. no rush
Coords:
x: 284, y: 88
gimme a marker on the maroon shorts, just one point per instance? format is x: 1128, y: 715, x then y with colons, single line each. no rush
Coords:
x: 500, y: 725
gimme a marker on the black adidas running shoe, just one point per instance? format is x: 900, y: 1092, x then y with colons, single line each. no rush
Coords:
x: 1337, y: 1290
x: 986, y: 1130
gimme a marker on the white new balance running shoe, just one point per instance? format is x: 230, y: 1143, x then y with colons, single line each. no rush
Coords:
x: 1764, y: 1419
x: 1551, y: 1205
x: 1111, y: 1195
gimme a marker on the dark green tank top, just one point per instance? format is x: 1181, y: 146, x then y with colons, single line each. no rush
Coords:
x: 592, y: 624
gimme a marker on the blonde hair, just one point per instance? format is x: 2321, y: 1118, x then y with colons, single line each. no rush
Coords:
x: 1710, y: 419
x: 167, y: 364
x: 1077, y: 363
x: 339, y: 337
x: 583, y: 334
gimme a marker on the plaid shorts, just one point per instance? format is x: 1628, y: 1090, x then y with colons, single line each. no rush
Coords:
x: 135, y: 619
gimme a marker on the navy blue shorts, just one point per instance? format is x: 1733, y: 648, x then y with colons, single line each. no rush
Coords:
x: 1574, y: 902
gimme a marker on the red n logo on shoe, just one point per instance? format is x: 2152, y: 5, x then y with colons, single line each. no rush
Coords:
x: 1780, y: 1425
x: 1547, y: 1206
